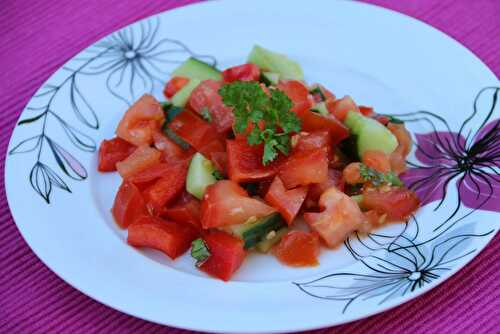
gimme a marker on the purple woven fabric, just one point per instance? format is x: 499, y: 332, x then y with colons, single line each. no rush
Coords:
x: 37, y: 37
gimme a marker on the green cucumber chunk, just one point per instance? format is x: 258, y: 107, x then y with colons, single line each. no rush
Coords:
x: 270, y: 61
x: 196, y: 69
x: 200, y: 175
x: 321, y: 108
x: 271, y: 239
x: 181, y: 97
x: 255, y: 230
x: 370, y: 134
x: 270, y: 78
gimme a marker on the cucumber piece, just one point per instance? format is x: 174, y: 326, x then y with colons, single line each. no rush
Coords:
x: 200, y: 175
x: 370, y: 134
x: 181, y: 97
x: 196, y: 69
x: 270, y: 61
x: 255, y: 230
x: 271, y: 239
x: 270, y: 78
x: 321, y: 108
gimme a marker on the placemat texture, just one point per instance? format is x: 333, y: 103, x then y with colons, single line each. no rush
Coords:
x: 37, y: 37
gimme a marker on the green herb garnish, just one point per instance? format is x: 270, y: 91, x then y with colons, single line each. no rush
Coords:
x: 199, y: 251
x: 166, y: 106
x: 393, y: 119
x: 270, y: 116
x: 206, y: 115
x: 377, y: 179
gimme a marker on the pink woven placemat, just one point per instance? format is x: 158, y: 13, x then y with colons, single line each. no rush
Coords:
x: 37, y: 37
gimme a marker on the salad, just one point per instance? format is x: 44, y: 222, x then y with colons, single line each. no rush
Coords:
x: 254, y: 159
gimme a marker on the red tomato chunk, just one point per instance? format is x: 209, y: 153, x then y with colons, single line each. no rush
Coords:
x: 226, y: 254
x: 298, y: 249
x: 287, y: 202
x: 142, y: 158
x: 165, y: 189
x: 171, y: 238
x: 186, y: 209
x: 113, y: 151
x: 245, y: 162
x: 128, y: 205
x: 174, y: 85
x: 245, y: 72
x: 226, y: 203
x: 140, y: 121
x: 304, y: 167
x: 397, y: 203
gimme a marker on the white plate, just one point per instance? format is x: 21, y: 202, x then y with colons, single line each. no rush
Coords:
x: 381, y: 58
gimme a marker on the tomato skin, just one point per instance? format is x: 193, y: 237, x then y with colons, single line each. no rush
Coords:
x: 334, y: 180
x: 128, y: 205
x: 166, y: 188
x: 140, y: 120
x: 339, y: 108
x: 227, y: 203
x: 377, y: 160
x: 142, y: 158
x: 397, y: 203
x: 287, y: 202
x: 174, y: 85
x: 245, y: 72
x: 398, y: 157
x: 245, y: 162
x: 340, y: 216
x: 195, y: 131
x: 326, y: 93
x: 298, y: 93
x: 226, y: 254
x: 302, y: 168
x: 206, y: 97
x: 168, y: 148
x: 312, y: 121
x: 186, y: 209
x: 113, y: 151
x: 171, y: 238
x: 298, y: 249
x: 366, y: 111
x: 315, y: 140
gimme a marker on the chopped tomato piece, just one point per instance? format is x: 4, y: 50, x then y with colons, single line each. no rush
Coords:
x: 205, y: 98
x: 140, y: 120
x: 165, y: 189
x: 113, y: 151
x: 377, y: 160
x: 312, y: 121
x: 220, y: 161
x: 367, y: 111
x: 226, y: 254
x: 298, y: 93
x: 186, y: 209
x: 328, y: 95
x: 374, y: 220
x: 245, y: 72
x: 339, y: 108
x: 398, y: 157
x: 351, y: 173
x: 334, y: 180
x: 142, y: 158
x: 215, y: 151
x: 195, y: 131
x: 155, y: 172
x: 174, y: 85
x: 340, y: 216
x: 298, y: 249
x: 245, y: 162
x: 168, y: 148
x: 287, y: 202
x: 304, y: 167
x: 226, y: 203
x: 128, y: 205
x: 315, y: 140
x: 384, y: 120
x: 397, y: 203
x: 171, y: 238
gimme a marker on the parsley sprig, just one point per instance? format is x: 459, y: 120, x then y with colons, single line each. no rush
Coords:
x: 377, y: 179
x: 270, y: 117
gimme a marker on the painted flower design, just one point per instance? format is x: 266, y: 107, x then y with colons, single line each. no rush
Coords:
x: 137, y: 61
x: 468, y: 158
x: 389, y: 267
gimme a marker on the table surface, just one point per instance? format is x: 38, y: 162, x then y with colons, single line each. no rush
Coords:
x: 37, y: 37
